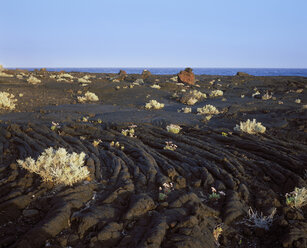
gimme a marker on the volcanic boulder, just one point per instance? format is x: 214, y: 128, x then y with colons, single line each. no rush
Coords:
x: 146, y: 74
x: 242, y: 74
x: 122, y: 75
x: 187, y: 76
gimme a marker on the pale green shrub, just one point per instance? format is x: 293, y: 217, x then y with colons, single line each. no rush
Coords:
x: 172, y: 128
x: 192, y: 97
x: 57, y: 166
x: 88, y: 97
x: 153, y: 104
x: 216, y: 93
x: 7, y: 101
x: 174, y: 79
x: 170, y: 146
x: 297, y: 198
x: 84, y: 79
x: 251, y: 127
x: 3, y: 74
x: 208, y: 109
x: 191, y: 101
x: 185, y: 110
x: 156, y: 86
x: 33, y: 80
x: 66, y: 75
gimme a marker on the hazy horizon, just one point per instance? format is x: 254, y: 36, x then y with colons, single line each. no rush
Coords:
x: 153, y: 34
x: 142, y: 67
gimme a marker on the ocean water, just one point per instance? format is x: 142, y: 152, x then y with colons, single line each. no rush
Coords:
x: 197, y: 71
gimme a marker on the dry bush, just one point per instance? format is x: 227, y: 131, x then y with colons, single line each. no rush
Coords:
x: 251, y: 127
x: 3, y: 74
x: 192, y: 97
x: 260, y: 221
x: 216, y: 93
x: 297, y: 198
x: 33, y: 80
x: 57, y: 166
x: 7, y: 101
x: 88, y: 97
x: 185, y: 110
x: 156, y: 86
x: 208, y: 109
x: 85, y: 79
x: 172, y: 128
x: 154, y: 104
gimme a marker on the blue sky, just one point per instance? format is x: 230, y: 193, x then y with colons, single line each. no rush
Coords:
x: 160, y: 33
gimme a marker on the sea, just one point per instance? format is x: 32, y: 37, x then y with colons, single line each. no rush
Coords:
x: 198, y: 71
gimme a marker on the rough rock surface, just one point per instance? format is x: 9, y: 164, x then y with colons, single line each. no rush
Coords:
x: 122, y: 75
x: 146, y: 74
x: 121, y: 207
x: 242, y: 74
x: 187, y: 76
x: 144, y: 195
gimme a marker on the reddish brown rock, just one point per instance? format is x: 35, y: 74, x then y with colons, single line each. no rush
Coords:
x: 187, y: 76
x: 122, y: 75
x: 242, y: 74
x: 43, y: 69
x: 146, y: 74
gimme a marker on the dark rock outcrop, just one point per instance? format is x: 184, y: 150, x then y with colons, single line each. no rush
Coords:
x: 187, y: 76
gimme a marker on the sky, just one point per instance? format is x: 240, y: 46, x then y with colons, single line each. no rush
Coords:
x: 159, y: 33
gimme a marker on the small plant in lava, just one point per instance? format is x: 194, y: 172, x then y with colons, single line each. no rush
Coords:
x: 297, y: 198
x: 215, y: 195
x: 57, y: 166
x: 172, y: 128
x: 170, y: 146
x: 260, y: 221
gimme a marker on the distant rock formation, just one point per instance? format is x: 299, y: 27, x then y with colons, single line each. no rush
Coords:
x: 187, y: 76
x: 242, y: 74
x: 146, y: 74
x: 122, y: 75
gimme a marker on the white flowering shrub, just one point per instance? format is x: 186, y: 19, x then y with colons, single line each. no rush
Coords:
x: 172, y: 128
x: 251, y: 127
x: 33, y: 80
x: 88, y: 97
x: 154, y: 104
x: 216, y: 93
x: 7, y: 100
x: 208, y: 109
x: 57, y: 166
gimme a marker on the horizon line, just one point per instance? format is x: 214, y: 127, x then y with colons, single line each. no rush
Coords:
x: 153, y: 67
